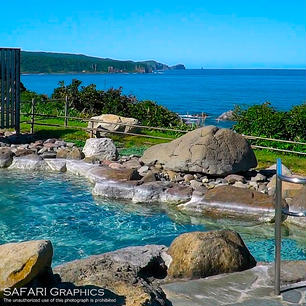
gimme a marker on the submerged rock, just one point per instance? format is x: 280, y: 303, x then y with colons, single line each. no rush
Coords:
x: 202, y: 254
x: 103, y: 148
x: 207, y: 150
x: 230, y: 201
x: 151, y: 192
x: 21, y: 262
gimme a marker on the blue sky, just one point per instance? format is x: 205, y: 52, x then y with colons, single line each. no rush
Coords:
x: 212, y: 34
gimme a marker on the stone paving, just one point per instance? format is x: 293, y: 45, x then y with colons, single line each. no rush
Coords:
x: 252, y: 287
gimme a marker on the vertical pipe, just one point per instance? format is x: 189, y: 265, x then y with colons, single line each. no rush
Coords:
x: 33, y: 116
x: 66, y: 111
x: 278, y: 218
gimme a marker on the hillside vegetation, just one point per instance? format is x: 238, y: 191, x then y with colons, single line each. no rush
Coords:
x: 47, y: 62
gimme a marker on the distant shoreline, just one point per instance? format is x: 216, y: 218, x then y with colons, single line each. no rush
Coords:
x: 153, y: 72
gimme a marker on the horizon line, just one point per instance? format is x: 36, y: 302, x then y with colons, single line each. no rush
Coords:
x: 211, y: 68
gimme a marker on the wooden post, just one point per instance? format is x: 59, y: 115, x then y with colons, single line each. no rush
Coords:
x: 92, y: 131
x: 33, y: 116
x: 66, y: 111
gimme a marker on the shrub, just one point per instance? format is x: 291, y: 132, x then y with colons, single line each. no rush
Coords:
x: 264, y: 121
x: 88, y: 100
x: 296, y: 123
x: 260, y: 120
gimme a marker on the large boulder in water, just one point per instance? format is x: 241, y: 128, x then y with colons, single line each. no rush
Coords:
x: 202, y: 254
x: 208, y: 150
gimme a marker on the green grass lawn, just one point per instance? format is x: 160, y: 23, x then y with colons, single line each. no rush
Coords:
x: 296, y: 163
x: 136, y: 145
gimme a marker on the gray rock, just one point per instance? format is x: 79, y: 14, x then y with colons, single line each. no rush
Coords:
x: 50, y: 140
x: 233, y: 178
x: 129, y: 272
x: 6, y: 157
x: 58, y: 165
x: 177, y: 194
x: 207, y: 150
x: 60, y: 143
x: 240, y: 185
x: 229, y: 115
x: 150, y: 176
x: 188, y: 178
x: 29, y: 162
x: 285, y: 170
x: 259, y: 178
x: 132, y: 163
x: 104, y: 148
x: 79, y: 168
x: 23, y: 152
x: 195, y: 184
x: 221, y: 181
x: 149, y: 192
x: 48, y: 155
x: 42, y: 150
x: 75, y: 153
x: 113, y: 190
x: 143, y: 169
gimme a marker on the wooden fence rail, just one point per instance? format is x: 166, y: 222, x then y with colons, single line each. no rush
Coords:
x: 33, y: 116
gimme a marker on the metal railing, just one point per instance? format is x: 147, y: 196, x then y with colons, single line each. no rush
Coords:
x: 279, y: 212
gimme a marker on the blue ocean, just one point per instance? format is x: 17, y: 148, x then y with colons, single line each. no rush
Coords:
x: 212, y: 91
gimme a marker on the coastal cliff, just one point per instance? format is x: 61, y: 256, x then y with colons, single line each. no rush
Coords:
x: 48, y: 62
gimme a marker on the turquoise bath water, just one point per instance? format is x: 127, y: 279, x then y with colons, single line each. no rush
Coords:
x: 61, y: 208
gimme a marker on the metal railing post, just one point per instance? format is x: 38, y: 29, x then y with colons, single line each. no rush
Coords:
x: 278, y: 220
